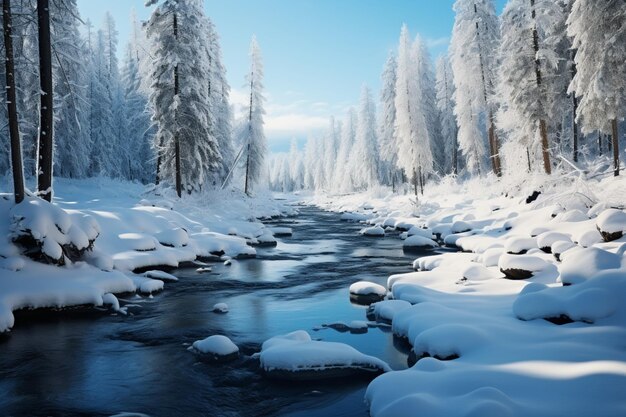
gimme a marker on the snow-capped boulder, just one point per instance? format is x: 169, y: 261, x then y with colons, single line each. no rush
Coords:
x: 266, y: 238
x: 364, y: 292
x: 418, y: 231
x: 374, y: 231
x: 174, y: 238
x: 588, y: 237
x: 353, y: 217
x: 460, y: 227
x: 521, y: 266
x: 491, y: 256
x: 216, y: 348
x: 559, y: 247
x: 221, y: 308
x: 479, y: 272
x: 419, y: 242
x: 547, y: 239
x: 611, y: 224
x: 160, y: 275
x: 140, y: 242
x: 295, y: 356
x: 519, y: 245
x: 581, y: 264
x: 571, y: 216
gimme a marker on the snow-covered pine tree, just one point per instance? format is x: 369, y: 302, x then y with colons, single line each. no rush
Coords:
x: 431, y: 151
x: 219, y: 105
x: 413, y: 127
x: 342, y: 178
x: 72, y: 148
x: 598, y: 29
x: 445, y: 105
x: 137, y: 132
x: 331, y: 147
x: 475, y: 37
x: 187, y: 150
x: 250, y: 129
x: 364, y: 162
x: 101, y: 126
x: 387, y: 123
x: 531, y: 73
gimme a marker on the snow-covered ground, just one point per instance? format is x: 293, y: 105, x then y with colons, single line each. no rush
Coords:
x: 134, y: 228
x: 548, y: 341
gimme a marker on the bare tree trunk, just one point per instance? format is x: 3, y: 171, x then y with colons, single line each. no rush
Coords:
x: 543, y: 131
x: 574, y: 110
x: 530, y: 168
x: 600, y: 143
x: 421, y: 176
x: 179, y: 185
x: 615, y: 147
x: 14, y: 129
x: 415, y: 182
x: 455, y: 155
x: 46, y: 120
x: 158, y: 162
x: 247, y: 185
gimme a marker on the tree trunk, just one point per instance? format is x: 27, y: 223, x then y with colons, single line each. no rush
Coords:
x: 530, y: 168
x: 415, y: 182
x: 158, y: 162
x: 179, y: 182
x: 421, y: 176
x: 455, y: 155
x: 600, y: 143
x: 14, y: 129
x: 574, y: 109
x: 46, y: 119
x: 246, y: 186
x: 615, y: 146
x: 543, y: 130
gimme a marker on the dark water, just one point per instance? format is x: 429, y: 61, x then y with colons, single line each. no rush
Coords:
x: 101, y: 365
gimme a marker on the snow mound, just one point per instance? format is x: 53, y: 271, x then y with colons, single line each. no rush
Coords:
x: 160, y: 275
x: 521, y: 266
x: 520, y: 245
x: 611, y: 224
x: 218, y: 347
x: 571, y: 216
x: 448, y: 341
x: 375, y: 231
x: 588, y: 238
x: 295, y: 356
x: 175, y: 238
x: 353, y: 217
x: 491, y: 256
x: 588, y: 302
x: 479, y: 272
x: 460, y: 227
x: 418, y: 231
x: 386, y: 310
x: 580, y: 264
x: 221, y: 308
x: 547, y: 239
x: 416, y: 241
x: 365, y: 292
x: 137, y: 241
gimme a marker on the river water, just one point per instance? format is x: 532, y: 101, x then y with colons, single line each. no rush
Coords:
x: 103, y: 364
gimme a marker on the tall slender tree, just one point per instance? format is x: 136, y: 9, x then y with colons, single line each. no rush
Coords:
x: 46, y: 119
x: 251, y: 132
x: 387, y: 123
x: 14, y: 130
x: 365, y: 161
x: 445, y: 105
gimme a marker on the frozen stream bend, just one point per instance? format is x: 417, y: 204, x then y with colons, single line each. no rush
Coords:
x: 71, y: 364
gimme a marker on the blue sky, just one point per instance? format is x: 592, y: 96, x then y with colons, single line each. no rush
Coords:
x: 317, y: 53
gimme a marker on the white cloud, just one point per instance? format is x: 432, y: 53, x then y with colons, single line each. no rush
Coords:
x: 294, y: 124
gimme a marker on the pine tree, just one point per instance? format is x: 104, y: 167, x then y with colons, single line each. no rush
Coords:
x: 598, y: 30
x: 475, y: 37
x: 343, y: 181
x: 445, y: 105
x: 387, y: 137
x: 365, y: 160
x: 186, y: 148
x: 251, y: 131
x: 70, y: 80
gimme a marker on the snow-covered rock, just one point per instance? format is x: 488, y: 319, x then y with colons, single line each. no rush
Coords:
x: 217, y: 348
x: 521, y: 266
x: 295, y: 356
x: 460, y: 227
x: 479, y: 272
x: 354, y: 217
x: 520, y: 245
x: 375, y: 231
x: 282, y: 231
x: 419, y: 242
x: 386, y: 310
x: 365, y: 292
x: 580, y: 264
x: 611, y: 224
x: 221, y: 308
x: 160, y: 275
x: 547, y: 239
x: 419, y: 231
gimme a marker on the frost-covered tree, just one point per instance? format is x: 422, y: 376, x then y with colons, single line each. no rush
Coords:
x: 71, y: 157
x: 250, y: 130
x: 219, y: 104
x: 445, y: 105
x: 138, y: 133
x: 186, y: 147
x: 529, y: 71
x: 365, y: 164
x: 475, y: 38
x: 343, y: 181
x: 412, y: 124
x: 598, y: 29
x: 387, y: 123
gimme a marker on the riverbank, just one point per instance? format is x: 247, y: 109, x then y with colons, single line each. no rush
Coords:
x: 128, y: 227
x: 527, y: 319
